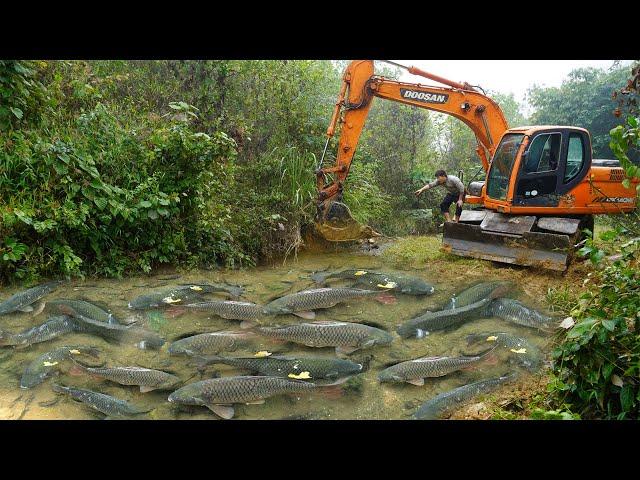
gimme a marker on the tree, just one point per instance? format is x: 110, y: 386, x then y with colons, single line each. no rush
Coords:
x: 584, y: 100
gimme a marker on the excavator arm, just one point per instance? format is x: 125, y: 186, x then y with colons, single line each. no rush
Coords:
x: 359, y: 87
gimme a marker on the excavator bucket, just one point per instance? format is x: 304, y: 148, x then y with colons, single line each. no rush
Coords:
x: 335, y: 223
x: 546, y: 242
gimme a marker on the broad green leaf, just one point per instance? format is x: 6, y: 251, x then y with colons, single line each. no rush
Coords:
x: 101, y: 203
x: 607, y: 369
x: 581, y: 327
x: 626, y: 397
x: 17, y: 112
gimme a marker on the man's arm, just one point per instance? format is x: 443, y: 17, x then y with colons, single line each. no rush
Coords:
x: 460, y: 186
x: 426, y: 187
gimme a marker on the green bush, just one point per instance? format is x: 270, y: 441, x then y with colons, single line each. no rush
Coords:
x: 103, y: 198
x: 597, y: 365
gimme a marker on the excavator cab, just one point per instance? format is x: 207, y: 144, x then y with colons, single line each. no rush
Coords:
x: 537, y: 200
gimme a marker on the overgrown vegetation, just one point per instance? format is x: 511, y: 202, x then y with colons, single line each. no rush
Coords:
x: 597, y: 363
x: 109, y: 167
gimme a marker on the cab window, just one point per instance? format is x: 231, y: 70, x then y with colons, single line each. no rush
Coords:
x: 544, y: 153
x: 575, y: 157
x: 501, y: 165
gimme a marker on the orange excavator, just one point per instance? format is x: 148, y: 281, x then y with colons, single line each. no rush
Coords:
x: 541, y: 189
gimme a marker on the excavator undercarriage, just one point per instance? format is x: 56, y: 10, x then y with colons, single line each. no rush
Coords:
x: 546, y: 242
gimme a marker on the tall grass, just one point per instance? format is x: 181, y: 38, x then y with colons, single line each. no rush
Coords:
x: 297, y: 180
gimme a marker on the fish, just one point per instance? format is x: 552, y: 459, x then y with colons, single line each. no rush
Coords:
x: 415, y: 371
x: 211, y: 343
x: 131, y: 334
x: 478, y: 292
x: 401, y: 283
x: 22, y: 301
x: 515, y: 312
x: 347, y: 337
x: 52, y: 328
x: 110, y: 406
x: 205, y: 287
x: 433, y: 321
x: 230, y: 309
x: 219, y: 394
x: 306, y: 368
x: 443, y: 403
x: 525, y: 353
x: 87, y: 309
x: 48, y: 364
x: 147, y: 379
x: 301, y: 303
x: 166, y: 298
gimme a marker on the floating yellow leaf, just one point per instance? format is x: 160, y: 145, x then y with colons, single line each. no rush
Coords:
x: 171, y: 300
x: 299, y: 376
x: 262, y: 353
x: 520, y: 350
x: 196, y: 288
x: 75, y: 352
x: 360, y: 272
x: 50, y: 364
x: 388, y: 285
x: 492, y: 338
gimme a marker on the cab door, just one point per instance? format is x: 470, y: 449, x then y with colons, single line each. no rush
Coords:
x: 555, y: 161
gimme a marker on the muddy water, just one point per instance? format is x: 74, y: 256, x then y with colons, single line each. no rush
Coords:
x: 362, y: 397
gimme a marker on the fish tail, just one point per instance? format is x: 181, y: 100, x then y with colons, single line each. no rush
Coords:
x: 60, y: 388
x: 320, y: 277
x: 6, y: 338
x: 202, y: 361
x: 485, y: 353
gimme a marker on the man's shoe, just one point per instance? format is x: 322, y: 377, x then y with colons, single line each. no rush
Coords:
x: 441, y: 225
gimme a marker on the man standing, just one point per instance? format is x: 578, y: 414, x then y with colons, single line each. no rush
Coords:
x: 455, y: 189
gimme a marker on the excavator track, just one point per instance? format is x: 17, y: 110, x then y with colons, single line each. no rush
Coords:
x: 543, y: 242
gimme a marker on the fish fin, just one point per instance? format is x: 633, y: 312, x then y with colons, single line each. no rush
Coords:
x: 386, y: 299
x: 416, y: 381
x: 145, y: 389
x: 76, y: 371
x: 247, y: 324
x: 175, y: 312
x: 331, y: 390
x: 201, y: 361
x: 257, y: 402
x: 340, y: 381
x: 394, y: 362
x: 320, y: 278
x: 186, y: 335
x: 373, y: 324
x: 39, y: 307
x: 78, y: 367
x: 26, y: 308
x: 345, y: 350
x: 308, y: 315
x: 223, y: 411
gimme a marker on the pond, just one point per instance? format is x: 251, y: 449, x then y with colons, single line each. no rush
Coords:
x: 360, y: 397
